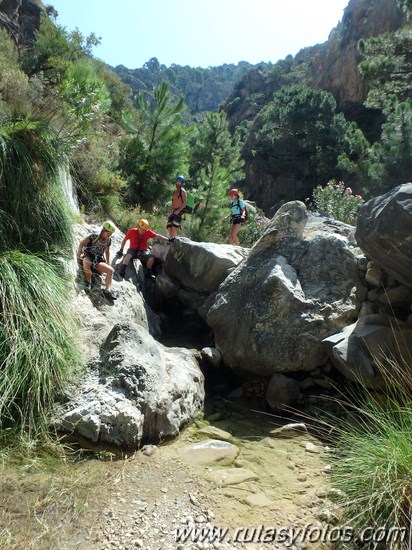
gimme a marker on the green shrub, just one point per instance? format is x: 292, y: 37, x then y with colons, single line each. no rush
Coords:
x: 253, y: 229
x: 33, y: 214
x: 37, y: 338
x: 337, y: 201
x: 372, y: 456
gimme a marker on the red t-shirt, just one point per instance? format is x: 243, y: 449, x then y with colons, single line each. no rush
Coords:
x: 138, y: 241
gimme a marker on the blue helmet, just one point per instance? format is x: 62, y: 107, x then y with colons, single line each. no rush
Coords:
x: 180, y: 178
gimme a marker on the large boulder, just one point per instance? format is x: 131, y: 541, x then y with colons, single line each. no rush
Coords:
x: 202, y: 266
x: 140, y: 390
x: 272, y: 312
x: 383, y: 232
x: 370, y: 349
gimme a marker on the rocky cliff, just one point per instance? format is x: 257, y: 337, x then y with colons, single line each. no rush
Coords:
x: 333, y: 67
x: 21, y: 18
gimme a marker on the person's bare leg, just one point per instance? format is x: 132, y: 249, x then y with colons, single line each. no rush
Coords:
x: 235, y: 238
x: 108, y: 271
x: 87, y: 269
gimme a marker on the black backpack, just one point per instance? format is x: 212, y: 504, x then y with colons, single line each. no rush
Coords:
x: 240, y: 209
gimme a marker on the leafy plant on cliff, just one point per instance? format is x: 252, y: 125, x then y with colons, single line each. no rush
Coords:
x: 37, y: 327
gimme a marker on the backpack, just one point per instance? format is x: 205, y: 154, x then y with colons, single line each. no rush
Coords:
x: 240, y: 210
x: 190, y: 203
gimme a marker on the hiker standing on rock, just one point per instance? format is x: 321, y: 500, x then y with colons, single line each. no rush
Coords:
x: 238, y: 214
x: 179, y: 201
x: 96, y: 250
x: 138, y: 237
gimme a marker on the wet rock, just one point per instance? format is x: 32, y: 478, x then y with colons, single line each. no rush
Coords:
x: 215, y: 433
x: 210, y: 451
x: 230, y: 476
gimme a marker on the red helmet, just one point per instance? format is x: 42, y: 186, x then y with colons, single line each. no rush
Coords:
x: 233, y: 192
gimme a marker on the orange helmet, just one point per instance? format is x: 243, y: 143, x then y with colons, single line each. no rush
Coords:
x: 143, y: 224
x: 233, y: 192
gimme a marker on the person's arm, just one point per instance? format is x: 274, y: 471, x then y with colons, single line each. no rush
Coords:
x: 120, y: 251
x: 161, y: 237
x: 228, y: 215
x: 82, y: 245
x: 107, y: 254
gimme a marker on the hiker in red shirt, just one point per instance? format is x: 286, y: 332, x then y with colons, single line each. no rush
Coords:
x: 138, y: 237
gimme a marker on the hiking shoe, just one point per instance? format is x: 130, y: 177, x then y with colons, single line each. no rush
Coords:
x: 109, y: 295
x: 89, y: 287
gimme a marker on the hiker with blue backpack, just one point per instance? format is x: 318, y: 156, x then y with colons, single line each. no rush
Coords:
x: 238, y: 214
x: 179, y: 201
x: 94, y: 252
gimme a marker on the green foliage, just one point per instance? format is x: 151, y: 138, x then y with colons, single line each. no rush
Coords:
x: 337, y: 201
x: 386, y: 67
x: 355, y: 159
x: 156, y: 150
x: 300, y: 135
x: 55, y: 49
x: 85, y: 101
x: 406, y: 6
x: 33, y: 211
x: 14, y: 83
x: 254, y: 228
x: 215, y: 162
x: 37, y: 347
x: 392, y: 157
x: 120, y: 94
x: 372, y: 453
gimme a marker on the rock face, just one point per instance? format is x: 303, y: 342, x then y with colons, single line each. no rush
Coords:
x: 335, y: 69
x: 272, y: 312
x: 21, y: 18
x: 202, y: 266
x: 141, y: 390
x: 384, y: 234
x: 133, y: 388
x: 373, y: 343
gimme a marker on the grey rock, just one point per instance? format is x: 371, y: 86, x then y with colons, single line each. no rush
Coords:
x: 383, y: 232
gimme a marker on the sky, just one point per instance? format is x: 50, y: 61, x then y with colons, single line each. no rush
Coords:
x: 199, y: 33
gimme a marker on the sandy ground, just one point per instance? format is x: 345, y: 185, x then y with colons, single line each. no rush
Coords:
x: 140, y: 501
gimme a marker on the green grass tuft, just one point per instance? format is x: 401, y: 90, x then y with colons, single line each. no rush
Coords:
x: 372, y: 455
x: 37, y: 344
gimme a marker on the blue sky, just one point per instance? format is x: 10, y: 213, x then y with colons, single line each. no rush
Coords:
x: 200, y: 33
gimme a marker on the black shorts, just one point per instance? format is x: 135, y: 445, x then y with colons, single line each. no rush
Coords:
x: 95, y: 259
x: 236, y: 220
x: 142, y: 255
x: 174, y: 220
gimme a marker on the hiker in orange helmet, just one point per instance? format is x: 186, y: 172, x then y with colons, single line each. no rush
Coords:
x: 138, y: 237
